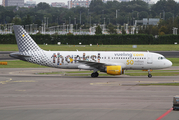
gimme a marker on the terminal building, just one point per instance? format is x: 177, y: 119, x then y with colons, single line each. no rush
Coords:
x: 80, y: 3
x: 19, y: 3
x: 148, y: 21
x: 30, y: 4
x: 58, y: 4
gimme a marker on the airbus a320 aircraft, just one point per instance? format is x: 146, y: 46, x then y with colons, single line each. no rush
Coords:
x: 113, y: 62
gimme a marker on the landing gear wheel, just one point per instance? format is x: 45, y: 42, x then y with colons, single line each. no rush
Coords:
x: 95, y: 74
x: 149, y: 75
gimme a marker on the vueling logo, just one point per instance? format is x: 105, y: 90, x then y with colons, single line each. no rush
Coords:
x: 136, y: 54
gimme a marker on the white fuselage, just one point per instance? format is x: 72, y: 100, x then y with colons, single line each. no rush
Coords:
x: 127, y: 60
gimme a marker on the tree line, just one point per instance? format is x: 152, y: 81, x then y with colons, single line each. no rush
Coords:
x: 112, y: 12
x: 139, y: 39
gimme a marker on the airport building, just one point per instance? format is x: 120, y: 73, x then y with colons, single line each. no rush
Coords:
x: 30, y: 4
x: 58, y: 4
x: 19, y: 3
x: 80, y: 3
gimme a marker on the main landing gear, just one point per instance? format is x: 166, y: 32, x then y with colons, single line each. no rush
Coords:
x: 94, y: 74
x: 149, y: 75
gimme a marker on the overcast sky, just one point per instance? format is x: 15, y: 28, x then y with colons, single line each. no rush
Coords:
x: 50, y: 1
x: 47, y: 1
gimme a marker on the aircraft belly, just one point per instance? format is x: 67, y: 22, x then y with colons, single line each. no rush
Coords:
x: 67, y: 66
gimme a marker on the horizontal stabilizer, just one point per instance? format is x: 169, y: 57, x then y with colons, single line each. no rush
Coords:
x: 19, y: 56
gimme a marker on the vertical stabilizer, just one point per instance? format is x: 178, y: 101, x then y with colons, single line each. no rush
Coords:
x: 24, y: 41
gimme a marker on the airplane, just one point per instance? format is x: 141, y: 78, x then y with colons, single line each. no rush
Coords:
x: 110, y: 62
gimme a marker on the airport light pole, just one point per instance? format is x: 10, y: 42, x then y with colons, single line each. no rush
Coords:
x: 104, y: 24
x: 47, y: 23
x: 69, y: 21
x: 88, y: 17
x: 116, y: 15
x: 80, y: 17
x: 102, y: 16
x: 65, y: 20
x: 75, y: 23
x: 163, y: 15
x: 109, y: 20
x: 90, y: 20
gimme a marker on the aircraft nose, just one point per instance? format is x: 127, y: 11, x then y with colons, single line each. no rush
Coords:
x: 169, y: 63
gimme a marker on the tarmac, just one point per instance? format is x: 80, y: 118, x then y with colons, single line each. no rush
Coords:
x: 26, y: 95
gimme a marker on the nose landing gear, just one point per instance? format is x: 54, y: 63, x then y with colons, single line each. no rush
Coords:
x: 149, y: 75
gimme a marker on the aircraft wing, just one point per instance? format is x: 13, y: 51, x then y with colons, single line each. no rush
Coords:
x: 98, y: 65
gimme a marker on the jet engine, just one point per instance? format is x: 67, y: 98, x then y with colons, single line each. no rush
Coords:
x: 114, y: 70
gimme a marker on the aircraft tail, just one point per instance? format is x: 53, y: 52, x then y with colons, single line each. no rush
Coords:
x: 24, y: 41
x: 28, y: 49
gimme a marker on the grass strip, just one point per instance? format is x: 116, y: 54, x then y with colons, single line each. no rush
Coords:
x: 13, y: 47
x: 175, y: 61
x: 20, y: 64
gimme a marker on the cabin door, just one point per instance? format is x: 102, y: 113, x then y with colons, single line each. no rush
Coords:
x: 149, y: 58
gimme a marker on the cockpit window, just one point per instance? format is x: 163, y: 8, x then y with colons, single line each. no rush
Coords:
x: 161, y: 58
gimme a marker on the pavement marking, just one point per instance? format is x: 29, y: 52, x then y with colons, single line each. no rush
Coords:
x: 6, y: 81
x: 106, y: 84
x: 25, y: 81
x: 126, y: 82
x: 166, y: 113
x: 10, y: 81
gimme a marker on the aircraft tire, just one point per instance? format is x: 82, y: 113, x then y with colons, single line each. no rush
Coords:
x: 97, y: 74
x: 94, y: 74
x: 149, y: 76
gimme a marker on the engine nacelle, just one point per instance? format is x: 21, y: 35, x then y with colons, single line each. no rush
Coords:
x: 114, y: 70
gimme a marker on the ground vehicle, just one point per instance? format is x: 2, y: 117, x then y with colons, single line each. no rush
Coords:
x: 176, y: 102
